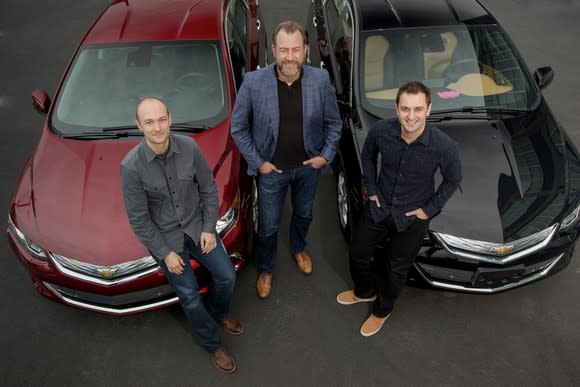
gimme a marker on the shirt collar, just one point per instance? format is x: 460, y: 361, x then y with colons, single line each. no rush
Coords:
x: 424, y: 138
x: 150, y: 155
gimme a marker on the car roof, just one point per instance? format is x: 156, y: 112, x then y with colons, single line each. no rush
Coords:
x: 380, y: 14
x: 147, y: 20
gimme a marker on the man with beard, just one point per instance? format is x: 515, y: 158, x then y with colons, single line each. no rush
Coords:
x: 287, y: 125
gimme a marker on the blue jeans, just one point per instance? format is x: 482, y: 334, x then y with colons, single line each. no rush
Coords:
x: 203, y: 317
x: 272, y: 188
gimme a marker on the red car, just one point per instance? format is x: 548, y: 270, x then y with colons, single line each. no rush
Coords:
x: 67, y: 221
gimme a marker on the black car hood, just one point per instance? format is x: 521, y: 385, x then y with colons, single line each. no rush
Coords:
x: 515, y: 176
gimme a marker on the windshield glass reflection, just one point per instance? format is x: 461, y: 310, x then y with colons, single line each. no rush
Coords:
x: 463, y: 67
x: 105, y: 83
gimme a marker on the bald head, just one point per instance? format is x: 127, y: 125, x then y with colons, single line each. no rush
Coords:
x: 154, y: 120
x: 146, y: 103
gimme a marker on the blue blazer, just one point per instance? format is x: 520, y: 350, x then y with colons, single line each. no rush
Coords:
x: 256, y: 117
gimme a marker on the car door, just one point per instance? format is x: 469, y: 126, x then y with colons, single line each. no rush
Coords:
x: 335, y: 28
x: 246, y: 38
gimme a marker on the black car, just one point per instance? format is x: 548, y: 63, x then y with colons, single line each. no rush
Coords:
x: 515, y: 217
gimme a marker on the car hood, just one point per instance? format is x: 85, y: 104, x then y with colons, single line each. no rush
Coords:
x: 69, y: 200
x: 515, y: 177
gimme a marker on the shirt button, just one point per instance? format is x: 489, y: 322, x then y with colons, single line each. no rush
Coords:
x: 177, y: 206
x: 170, y: 178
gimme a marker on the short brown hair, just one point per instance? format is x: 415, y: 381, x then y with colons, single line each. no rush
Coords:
x: 289, y: 27
x: 414, y: 87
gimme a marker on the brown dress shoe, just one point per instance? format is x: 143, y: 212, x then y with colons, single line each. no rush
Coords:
x: 224, y: 361
x: 304, y: 262
x: 232, y: 326
x: 264, y: 285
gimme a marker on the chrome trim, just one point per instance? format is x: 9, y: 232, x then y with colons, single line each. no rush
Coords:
x: 470, y: 244
x: 75, y: 269
x: 103, y: 309
x: 524, y: 281
x: 124, y: 311
x: 33, y: 249
x: 226, y: 222
x: 570, y: 219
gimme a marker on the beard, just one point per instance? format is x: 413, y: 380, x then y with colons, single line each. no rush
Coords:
x: 289, y: 73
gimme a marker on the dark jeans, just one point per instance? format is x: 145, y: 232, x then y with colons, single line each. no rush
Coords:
x: 383, y: 275
x: 203, y: 317
x: 272, y: 188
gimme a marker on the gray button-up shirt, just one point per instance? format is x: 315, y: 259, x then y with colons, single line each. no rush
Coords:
x: 166, y: 199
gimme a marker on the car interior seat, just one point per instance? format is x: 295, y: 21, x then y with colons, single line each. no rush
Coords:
x: 437, y: 61
x: 407, y: 60
x: 376, y: 48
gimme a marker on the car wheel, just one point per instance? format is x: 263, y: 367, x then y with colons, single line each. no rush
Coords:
x: 343, y: 203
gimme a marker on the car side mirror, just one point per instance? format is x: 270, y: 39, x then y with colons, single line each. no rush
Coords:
x: 40, y: 101
x: 544, y: 76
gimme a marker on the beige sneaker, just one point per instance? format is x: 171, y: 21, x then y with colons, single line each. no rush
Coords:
x: 348, y: 298
x: 372, y: 325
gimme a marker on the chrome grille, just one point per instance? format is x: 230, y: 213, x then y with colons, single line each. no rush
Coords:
x: 105, y: 275
x: 499, y: 253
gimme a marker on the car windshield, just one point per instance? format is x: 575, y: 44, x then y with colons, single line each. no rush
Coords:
x: 473, y: 66
x: 105, y: 83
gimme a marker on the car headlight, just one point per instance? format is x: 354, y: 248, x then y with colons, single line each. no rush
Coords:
x: 229, y: 218
x: 571, y: 219
x: 35, y: 250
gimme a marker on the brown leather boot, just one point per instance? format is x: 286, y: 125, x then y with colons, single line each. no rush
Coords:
x: 264, y: 285
x: 224, y: 361
x: 304, y: 262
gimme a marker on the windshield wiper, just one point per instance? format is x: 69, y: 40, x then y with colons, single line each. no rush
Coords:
x: 100, y: 135
x: 482, y: 109
x: 115, y: 128
x: 189, y: 128
x: 174, y: 127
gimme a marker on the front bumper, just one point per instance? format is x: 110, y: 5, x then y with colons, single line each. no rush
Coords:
x: 442, y: 268
x: 138, y: 291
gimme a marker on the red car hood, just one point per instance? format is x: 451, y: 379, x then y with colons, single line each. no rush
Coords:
x: 72, y: 191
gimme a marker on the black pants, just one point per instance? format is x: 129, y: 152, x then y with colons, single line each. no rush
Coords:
x: 383, y: 275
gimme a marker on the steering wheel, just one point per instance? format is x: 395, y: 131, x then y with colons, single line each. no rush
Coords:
x: 458, y: 69
x: 200, y: 82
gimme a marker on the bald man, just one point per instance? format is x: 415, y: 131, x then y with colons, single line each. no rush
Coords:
x: 172, y: 204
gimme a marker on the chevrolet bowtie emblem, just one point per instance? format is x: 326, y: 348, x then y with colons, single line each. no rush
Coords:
x: 107, y: 272
x: 502, y: 250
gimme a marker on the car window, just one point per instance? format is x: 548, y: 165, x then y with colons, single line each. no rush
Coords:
x: 463, y: 67
x: 105, y: 83
x: 339, y: 23
x: 237, y: 39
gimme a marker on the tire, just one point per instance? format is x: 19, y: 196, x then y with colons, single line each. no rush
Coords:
x: 255, y: 208
x: 254, y: 214
x: 343, y: 202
